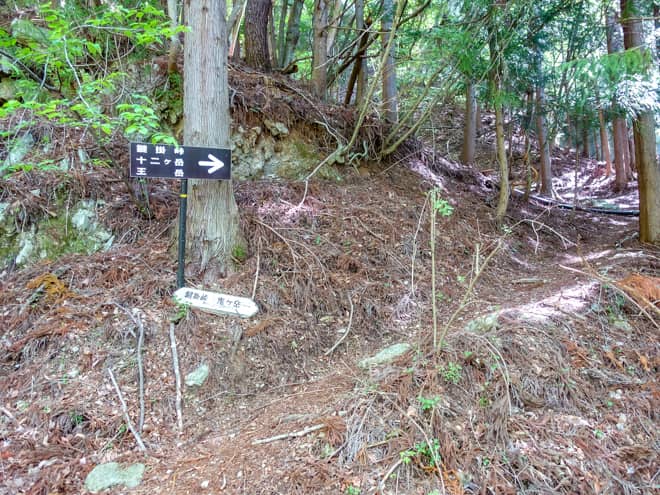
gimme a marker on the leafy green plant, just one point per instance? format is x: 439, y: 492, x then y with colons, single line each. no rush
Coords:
x: 452, y: 373
x: 427, y: 454
x: 428, y: 403
x: 439, y: 206
x: 352, y: 490
x: 67, y: 45
x: 76, y: 418
x: 239, y: 253
x: 182, y: 309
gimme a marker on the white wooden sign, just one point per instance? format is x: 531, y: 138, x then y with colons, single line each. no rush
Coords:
x: 213, y: 302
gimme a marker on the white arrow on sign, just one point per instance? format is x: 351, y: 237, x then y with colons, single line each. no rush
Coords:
x: 215, y: 163
x: 217, y: 303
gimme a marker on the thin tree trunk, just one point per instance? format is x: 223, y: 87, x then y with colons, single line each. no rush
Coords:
x: 389, y: 69
x: 604, y: 143
x: 362, y: 27
x: 480, y: 124
x: 256, y: 34
x: 175, y: 44
x: 585, y: 138
x: 292, y: 32
x: 470, y: 126
x: 648, y: 167
x: 281, y: 34
x: 320, y: 49
x: 213, y: 215
x: 545, y: 162
x: 569, y: 132
x: 627, y: 155
x: 356, y: 72
x: 619, y: 128
x: 496, y: 87
x: 620, y: 145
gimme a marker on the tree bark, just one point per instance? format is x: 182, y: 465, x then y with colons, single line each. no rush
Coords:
x: 257, y: 16
x: 470, y: 126
x: 604, y: 143
x: 362, y: 27
x: 495, y: 76
x: 620, y: 140
x: 545, y: 161
x: 585, y: 138
x: 175, y: 44
x: 390, y: 104
x: 648, y: 168
x: 292, y: 32
x: 619, y: 128
x: 281, y: 34
x: 320, y: 49
x: 213, y: 214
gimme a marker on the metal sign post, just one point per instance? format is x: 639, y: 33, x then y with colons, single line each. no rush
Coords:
x: 180, y: 162
x: 183, y: 210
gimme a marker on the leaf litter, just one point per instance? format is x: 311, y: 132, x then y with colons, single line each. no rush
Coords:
x: 552, y: 396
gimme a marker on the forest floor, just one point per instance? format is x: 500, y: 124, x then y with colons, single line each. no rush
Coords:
x: 546, y: 380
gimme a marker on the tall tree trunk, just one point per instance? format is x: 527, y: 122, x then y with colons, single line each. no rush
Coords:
x: 292, y: 32
x: 604, y: 143
x: 585, y: 137
x: 213, y: 215
x: 470, y: 126
x: 389, y: 69
x: 362, y: 28
x: 656, y: 16
x: 320, y: 49
x: 257, y: 16
x: 175, y: 44
x: 358, y: 67
x: 495, y: 80
x: 545, y: 163
x: 648, y: 168
x: 480, y: 124
x: 281, y: 34
x: 619, y: 128
x: 620, y: 139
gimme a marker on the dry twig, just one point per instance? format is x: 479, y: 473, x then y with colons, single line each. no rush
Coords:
x: 124, y: 409
x: 177, y: 377
x: 348, y: 329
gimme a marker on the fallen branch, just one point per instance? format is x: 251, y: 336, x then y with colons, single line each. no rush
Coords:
x: 294, y: 434
x: 348, y: 329
x: 137, y: 321
x: 140, y: 342
x: 124, y: 409
x: 177, y: 377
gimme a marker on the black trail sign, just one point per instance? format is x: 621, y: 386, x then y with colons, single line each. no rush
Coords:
x: 180, y: 162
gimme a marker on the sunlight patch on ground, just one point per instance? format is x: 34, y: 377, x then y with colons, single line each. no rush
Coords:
x: 572, y: 300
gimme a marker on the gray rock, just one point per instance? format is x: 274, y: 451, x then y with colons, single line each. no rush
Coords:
x: 197, y: 377
x: 24, y: 31
x: 112, y: 473
x: 19, y: 148
x: 386, y: 355
x: 483, y: 323
x: 7, y: 89
x: 276, y: 128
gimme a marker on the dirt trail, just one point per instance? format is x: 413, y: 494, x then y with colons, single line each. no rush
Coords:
x: 555, y: 394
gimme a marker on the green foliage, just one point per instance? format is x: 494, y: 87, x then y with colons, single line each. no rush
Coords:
x: 452, y: 373
x: 352, y: 490
x: 69, y: 63
x: 426, y: 454
x: 239, y: 253
x: 428, y: 403
x: 182, y: 310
